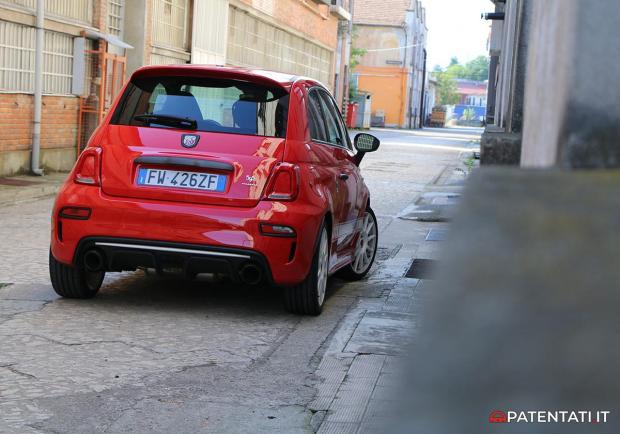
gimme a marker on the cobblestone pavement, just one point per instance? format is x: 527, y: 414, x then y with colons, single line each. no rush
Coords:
x: 172, y: 355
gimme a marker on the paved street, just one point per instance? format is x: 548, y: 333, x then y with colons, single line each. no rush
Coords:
x: 172, y: 355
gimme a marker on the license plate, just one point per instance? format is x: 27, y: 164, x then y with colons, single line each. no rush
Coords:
x: 182, y: 179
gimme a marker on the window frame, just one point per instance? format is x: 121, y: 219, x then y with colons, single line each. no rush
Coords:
x: 128, y: 97
x: 317, y: 115
x: 319, y: 90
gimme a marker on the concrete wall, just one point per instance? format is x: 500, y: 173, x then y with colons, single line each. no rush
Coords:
x: 501, y: 141
x: 572, y: 111
x: 512, y: 65
x: 384, y: 37
x: 137, y: 12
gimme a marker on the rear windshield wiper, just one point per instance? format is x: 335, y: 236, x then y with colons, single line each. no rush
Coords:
x: 172, y: 121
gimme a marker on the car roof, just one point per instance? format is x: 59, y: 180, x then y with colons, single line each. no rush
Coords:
x: 232, y: 72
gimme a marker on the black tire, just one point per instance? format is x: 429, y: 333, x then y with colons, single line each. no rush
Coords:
x: 74, y: 282
x: 304, y: 298
x: 349, y: 272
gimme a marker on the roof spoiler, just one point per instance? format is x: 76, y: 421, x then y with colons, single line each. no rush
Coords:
x: 265, y: 78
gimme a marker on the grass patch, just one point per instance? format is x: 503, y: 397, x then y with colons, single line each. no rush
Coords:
x: 469, y: 164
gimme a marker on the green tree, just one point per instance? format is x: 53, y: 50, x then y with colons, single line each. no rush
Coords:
x: 468, y: 115
x: 477, y: 69
x: 446, y: 89
x: 456, y: 71
x: 354, y: 60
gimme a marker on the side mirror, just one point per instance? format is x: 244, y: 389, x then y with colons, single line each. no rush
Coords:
x: 365, y: 143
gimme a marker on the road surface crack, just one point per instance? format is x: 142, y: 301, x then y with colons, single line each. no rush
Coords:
x: 11, y: 367
x: 94, y: 342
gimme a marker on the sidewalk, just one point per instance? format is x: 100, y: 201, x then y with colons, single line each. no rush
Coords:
x: 25, y: 187
x: 360, y: 370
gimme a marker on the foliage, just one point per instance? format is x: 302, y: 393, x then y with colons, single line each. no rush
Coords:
x: 468, y: 115
x: 446, y: 89
x: 354, y: 60
x: 470, y: 163
x: 477, y: 69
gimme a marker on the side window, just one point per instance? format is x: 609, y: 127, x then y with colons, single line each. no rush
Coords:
x: 335, y: 129
x: 341, y: 125
x: 331, y: 126
x: 315, y: 117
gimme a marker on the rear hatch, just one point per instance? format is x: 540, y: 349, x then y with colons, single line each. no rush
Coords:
x: 194, y: 139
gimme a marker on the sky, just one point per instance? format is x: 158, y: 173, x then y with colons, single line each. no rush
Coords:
x: 455, y: 29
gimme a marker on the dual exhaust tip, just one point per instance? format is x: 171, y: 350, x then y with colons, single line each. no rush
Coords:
x: 250, y: 273
x: 94, y: 261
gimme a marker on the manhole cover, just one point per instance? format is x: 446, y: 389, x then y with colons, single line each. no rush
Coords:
x: 421, y: 269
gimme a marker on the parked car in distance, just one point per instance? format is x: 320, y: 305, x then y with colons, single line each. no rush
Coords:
x: 218, y: 170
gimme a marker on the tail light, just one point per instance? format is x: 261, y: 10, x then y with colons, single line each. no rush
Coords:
x: 284, y: 184
x: 75, y: 213
x: 277, y: 230
x: 87, y: 167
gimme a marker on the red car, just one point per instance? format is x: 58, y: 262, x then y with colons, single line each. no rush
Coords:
x: 218, y: 170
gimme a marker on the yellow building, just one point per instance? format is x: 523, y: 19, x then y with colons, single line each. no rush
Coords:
x: 393, y: 33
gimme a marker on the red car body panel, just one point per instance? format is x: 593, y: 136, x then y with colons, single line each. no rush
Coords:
x: 120, y: 209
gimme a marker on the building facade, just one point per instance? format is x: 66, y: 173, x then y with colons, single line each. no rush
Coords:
x: 393, y: 33
x: 508, y: 48
x: 473, y: 93
x: 553, y: 88
x: 309, y: 38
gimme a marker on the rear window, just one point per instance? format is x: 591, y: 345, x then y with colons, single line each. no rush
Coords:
x: 227, y: 106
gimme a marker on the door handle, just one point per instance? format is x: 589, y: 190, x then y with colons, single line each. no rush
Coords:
x: 343, y: 176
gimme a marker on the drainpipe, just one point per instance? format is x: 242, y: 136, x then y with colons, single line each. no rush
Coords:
x: 347, y: 61
x: 422, y: 93
x: 409, y: 84
x: 38, y: 91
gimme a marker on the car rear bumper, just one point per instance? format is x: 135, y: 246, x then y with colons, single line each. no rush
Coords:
x: 118, y: 254
x: 197, y: 238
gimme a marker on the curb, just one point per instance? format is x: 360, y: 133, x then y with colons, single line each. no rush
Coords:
x: 48, y: 187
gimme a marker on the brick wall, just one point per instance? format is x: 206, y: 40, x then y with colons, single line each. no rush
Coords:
x: 58, y: 129
x: 306, y: 16
x: 58, y: 123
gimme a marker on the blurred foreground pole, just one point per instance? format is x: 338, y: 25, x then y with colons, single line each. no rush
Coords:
x: 525, y: 315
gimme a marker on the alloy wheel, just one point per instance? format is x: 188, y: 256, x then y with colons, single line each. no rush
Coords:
x: 323, y: 262
x: 366, y: 245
